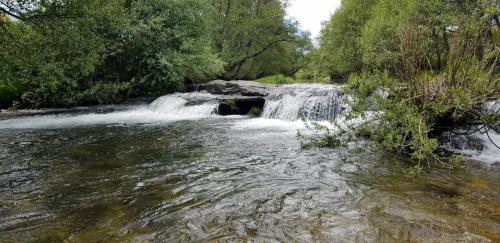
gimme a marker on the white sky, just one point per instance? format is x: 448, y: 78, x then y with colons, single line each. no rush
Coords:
x: 311, y: 13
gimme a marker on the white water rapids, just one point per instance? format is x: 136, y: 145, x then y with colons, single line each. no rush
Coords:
x: 165, y: 109
x: 311, y: 102
x: 284, y: 109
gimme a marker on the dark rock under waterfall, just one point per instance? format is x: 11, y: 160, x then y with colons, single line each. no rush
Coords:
x: 285, y: 102
x: 239, y: 105
x: 239, y: 97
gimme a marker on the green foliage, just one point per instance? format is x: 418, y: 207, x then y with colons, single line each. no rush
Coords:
x: 276, y: 79
x: 490, y: 120
x: 312, y: 75
x: 98, y: 51
x: 61, y: 53
x: 230, y: 102
x: 170, y: 43
x: 255, y: 111
x: 106, y: 93
x: 325, y: 137
x: 255, y: 39
x: 417, y: 66
x: 415, y: 171
x: 299, y: 78
x: 456, y: 161
x: 49, y: 68
x: 340, y: 51
x: 379, y: 34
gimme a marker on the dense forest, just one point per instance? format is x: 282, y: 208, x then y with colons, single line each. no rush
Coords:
x: 67, y: 53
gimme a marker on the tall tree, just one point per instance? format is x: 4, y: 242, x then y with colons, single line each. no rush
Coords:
x: 340, y: 47
x: 251, y: 32
x: 170, y: 44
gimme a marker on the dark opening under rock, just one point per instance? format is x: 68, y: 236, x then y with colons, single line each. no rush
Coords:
x: 239, y: 105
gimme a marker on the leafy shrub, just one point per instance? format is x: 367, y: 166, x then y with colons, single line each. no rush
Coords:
x: 419, y: 76
x: 255, y: 111
x: 230, y: 102
x: 106, y: 93
x: 277, y: 79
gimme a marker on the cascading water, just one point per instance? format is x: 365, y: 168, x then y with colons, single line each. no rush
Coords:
x: 477, y: 142
x: 327, y: 102
x: 197, y: 104
x: 169, y: 108
x: 311, y: 102
x: 492, y: 107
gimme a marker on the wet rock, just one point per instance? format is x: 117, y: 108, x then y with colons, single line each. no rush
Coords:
x: 442, y: 190
x: 239, y: 97
x: 239, y: 105
x: 243, y: 88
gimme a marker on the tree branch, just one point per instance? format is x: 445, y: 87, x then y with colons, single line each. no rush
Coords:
x: 13, y: 15
x: 257, y: 53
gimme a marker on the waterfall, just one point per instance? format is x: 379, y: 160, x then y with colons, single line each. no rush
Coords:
x: 482, y: 145
x: 311, y: 102
x: 197, y: 104
x: 169, y: 108
x: 492, y: 107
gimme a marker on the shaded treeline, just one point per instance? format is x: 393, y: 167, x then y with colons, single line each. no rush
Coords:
x: 69, y: 52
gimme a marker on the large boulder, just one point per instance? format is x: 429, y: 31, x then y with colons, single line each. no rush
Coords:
x: 243, y: 88
x: 238, y: 97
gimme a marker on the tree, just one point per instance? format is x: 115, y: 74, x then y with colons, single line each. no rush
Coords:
x: 422, y: 67
x: 53, y: 60
x: 249, y: 34
x: 170, y: 43
x: 64, y: 53
x: 340, y: 48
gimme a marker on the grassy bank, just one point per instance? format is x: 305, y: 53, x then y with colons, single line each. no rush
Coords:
x: 282, y: 79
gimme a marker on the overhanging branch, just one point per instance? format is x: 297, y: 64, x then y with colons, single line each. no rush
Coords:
x: 9, y: 13
x: 256, y: 54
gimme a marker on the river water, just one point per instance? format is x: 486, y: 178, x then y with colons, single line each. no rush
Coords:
x: 174, y: 172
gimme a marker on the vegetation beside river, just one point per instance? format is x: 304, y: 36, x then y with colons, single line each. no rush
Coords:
x: 422, y: 67
x: 67, y: 53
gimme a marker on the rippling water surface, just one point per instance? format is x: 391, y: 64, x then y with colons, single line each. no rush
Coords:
x: 132, y: 177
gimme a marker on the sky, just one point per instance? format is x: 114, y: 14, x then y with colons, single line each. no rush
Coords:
x: 311, y: 13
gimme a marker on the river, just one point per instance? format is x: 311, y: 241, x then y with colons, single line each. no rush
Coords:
x: 173, y: 171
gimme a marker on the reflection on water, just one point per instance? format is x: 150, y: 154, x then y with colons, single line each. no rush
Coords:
x: 227, y: 179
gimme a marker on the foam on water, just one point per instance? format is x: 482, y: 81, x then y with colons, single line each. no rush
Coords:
x: 261, y: 123
x: 202, y: 105
x: 285, y: 106
x: 479, y: 146
x: 492, y: 107
x: 58, y: 121
x: 165, y: 109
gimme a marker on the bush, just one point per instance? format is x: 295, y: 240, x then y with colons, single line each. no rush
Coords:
x: 276, y: 79
x: 420, y: 77
x: 106, y: 93
x: 255, y: 111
